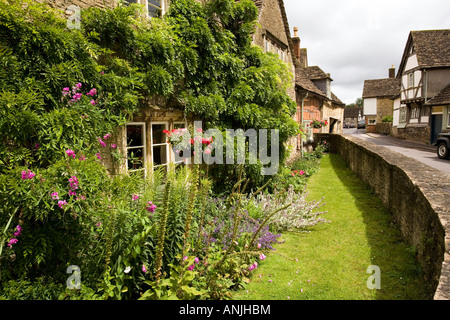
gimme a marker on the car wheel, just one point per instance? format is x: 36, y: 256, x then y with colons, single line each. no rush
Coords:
x: 443, y: 151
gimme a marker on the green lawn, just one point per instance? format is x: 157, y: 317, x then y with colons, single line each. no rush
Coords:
x: 334, y: 257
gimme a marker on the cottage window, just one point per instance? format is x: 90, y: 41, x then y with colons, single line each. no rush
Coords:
x: 160, y: 146
x: 402, y: 114
x: 136, y: 146
x: 154, y: 8
x: 415, y: 111
x: 411, y: 80
x: 177, y: 158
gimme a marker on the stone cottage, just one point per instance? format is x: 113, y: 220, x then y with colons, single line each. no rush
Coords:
x: 144, y: 141
x: 378, y: 99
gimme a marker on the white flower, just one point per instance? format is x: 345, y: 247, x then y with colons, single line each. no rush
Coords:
x: 127, y: 269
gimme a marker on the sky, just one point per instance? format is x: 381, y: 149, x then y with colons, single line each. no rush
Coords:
x: 357, y: 40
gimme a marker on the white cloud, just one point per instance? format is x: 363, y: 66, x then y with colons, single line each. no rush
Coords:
x: 358, y: 40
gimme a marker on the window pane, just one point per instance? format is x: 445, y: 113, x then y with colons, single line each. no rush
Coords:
x: 159, y: 155
x: 155, y: 2
x: 178, y: 125
x: 135, y: 158
x: 154, y: 11
x: 157, y: 133
x: 135, y: 135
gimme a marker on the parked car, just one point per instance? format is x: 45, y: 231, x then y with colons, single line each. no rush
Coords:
x: 361, y: 124
x: 443, y: 145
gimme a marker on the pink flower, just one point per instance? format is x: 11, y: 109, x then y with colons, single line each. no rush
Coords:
x: 72, y: 193
x: 92, y: 102
x: 106, y: 136
x: 262, y: 256
x: 78, y: 85
x: 301, y: 172
x: 113, y: 146
x: 70, y: 153
x: 191, y: 267
x: 259, y: 245
x: 12, y: 241
x: 99, y: 156
x: 27, y: 175
x: 92, y: 92
x: 102, y: 143
x: 62, y: 203
x: 253, y: 266
x: 151, y: 207
x: 73, y: 182
x: 81, y: 198
x: 54, y: 196
x: 66, y: 89
x: 196, y: 260
x: 185, y: 258
x: 134, y: 197
x: 144, y: 268
x: 82, y: 158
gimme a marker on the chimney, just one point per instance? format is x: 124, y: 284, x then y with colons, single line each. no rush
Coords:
x: 296, y: 43
x: 304, y: 58
x: 392, y: 72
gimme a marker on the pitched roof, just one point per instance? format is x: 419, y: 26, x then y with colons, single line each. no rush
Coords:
x: 335, y: 99
x: 432, y: 47
x: 388, y: 87
x: 302, y: 80
x: 442, y: 98
x: 315, y: 73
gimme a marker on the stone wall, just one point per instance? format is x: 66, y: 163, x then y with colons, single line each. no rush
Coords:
x: 415, y: 132
x: 416, y: 195
x: 384, y: 128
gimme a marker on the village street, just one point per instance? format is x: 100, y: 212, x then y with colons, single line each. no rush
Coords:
x: 421, y: 152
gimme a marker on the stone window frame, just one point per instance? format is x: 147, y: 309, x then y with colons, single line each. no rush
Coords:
x: 143, y: 146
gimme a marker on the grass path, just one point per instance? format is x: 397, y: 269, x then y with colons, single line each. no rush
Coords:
x: 334, y: 257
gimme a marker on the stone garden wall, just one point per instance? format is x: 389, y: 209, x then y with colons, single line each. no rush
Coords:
x: 417, y: 196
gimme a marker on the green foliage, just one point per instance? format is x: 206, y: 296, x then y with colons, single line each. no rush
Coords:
x: 387, y: 118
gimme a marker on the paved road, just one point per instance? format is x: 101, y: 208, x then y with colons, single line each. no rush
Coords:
x: 421, y: 152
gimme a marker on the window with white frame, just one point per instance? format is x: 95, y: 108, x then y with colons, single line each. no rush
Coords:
x: 160, y: 146
x: 154, y: 8
x: 135, y: 132
x: 177, y: 158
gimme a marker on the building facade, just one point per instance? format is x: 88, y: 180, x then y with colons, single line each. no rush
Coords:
x: 423, y: 108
